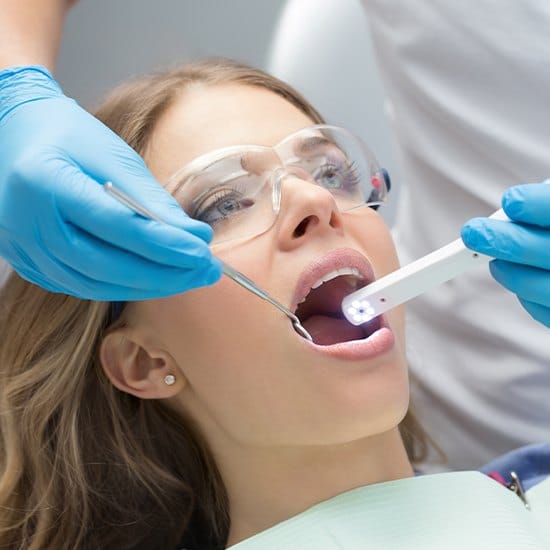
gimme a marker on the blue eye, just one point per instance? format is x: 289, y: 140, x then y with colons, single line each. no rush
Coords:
x: 329, y: 177
x: 337, y: 176
x: 220, y: 205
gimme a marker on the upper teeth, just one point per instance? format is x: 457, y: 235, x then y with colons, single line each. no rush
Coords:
x: 354, y: 283
x: 336, y: 273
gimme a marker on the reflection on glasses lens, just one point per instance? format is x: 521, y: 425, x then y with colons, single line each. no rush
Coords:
x: 234, y: 192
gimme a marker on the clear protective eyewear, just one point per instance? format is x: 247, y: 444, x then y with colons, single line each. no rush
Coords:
x: 237, y: 190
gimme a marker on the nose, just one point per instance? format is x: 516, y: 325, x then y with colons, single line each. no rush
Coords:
x: 307, y: 210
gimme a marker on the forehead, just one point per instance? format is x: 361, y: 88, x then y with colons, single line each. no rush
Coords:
x: 206, y: 118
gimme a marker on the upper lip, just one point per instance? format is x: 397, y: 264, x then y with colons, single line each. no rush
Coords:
x: 335, y: 259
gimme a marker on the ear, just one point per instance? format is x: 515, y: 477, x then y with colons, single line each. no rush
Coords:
x: 137, y: 369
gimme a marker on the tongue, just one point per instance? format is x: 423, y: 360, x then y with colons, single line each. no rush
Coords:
x: 326, y: 331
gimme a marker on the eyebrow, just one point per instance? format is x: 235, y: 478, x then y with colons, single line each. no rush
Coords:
x: 312, y: 143
x: 191, y: 174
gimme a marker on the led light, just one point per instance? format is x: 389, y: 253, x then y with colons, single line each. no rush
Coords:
x: 361, y: 311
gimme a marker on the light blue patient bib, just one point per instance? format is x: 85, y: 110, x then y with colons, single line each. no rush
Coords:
x: 450, y: 511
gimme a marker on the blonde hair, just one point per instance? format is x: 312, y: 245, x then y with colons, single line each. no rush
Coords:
x: 82, y: 464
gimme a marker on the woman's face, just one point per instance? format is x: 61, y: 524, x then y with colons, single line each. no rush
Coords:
x: 249, y: 377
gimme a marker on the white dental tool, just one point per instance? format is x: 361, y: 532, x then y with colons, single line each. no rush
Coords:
x: 412, y: 280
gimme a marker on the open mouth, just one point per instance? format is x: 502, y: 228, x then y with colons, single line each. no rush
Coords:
x: 322, y: 290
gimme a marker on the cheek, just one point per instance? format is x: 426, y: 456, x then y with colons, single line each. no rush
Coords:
x: 372, y: 234
x: 383, y: 252
x: 199, y: 324
x: 229, y: 346
x: 212, y: 333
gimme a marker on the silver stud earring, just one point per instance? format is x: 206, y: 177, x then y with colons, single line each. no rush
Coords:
x: 169, y: 379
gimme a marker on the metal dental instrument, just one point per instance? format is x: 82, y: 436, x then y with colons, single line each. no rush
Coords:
x: 227, y: 269
x: 412, y: 280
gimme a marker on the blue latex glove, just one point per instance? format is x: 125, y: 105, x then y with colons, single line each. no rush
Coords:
x: 58, y: 227
x: 522, y: 247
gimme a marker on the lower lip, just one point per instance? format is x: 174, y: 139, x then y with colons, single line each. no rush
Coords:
x: 377, y: 344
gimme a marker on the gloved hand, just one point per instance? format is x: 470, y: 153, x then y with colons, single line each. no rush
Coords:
x: 522, y: 248
x: 58, y: 227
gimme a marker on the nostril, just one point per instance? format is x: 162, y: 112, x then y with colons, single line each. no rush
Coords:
x: 335, y: 221
x: 302, y: 226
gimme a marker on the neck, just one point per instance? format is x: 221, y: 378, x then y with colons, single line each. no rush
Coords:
x: 266, y: 486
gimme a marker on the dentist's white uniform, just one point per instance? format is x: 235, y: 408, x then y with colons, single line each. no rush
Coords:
x: 468, y: 90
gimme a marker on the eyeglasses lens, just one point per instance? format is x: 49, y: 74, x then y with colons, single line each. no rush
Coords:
x: 236, y: 194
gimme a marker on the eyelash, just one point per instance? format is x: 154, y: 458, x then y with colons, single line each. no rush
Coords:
x: 351, y: 173
x: 213, y: 199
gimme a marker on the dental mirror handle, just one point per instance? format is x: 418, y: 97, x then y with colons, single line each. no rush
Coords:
x: 232, y: 273
x: 245, y: 282
x: 412, y: 280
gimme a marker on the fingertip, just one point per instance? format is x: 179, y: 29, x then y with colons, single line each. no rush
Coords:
x: 200, y: 276
x: 200, y: 229
x: 465, y: 234
x: 180, y: 219
x: 471, y: 233
x: 214, y: 272
x: 512, y: 201
x: 496, y: 268
x: 528, y: 203
x: 537, y: 311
